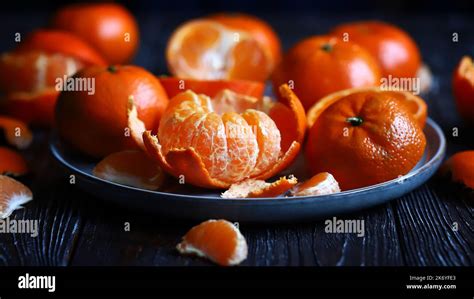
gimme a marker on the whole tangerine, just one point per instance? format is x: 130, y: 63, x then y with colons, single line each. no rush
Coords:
x: 394, y: 49
x: 365, y: 138
x: 108, y: 27
x: 97, y: 123
x: 320, y: 65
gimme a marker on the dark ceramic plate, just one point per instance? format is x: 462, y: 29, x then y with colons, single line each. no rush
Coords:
x: 200, y: 204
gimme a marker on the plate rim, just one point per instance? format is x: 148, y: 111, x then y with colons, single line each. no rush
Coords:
x: 438, y: 155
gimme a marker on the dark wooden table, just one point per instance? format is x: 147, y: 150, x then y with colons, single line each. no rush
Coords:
x: 418, y: 229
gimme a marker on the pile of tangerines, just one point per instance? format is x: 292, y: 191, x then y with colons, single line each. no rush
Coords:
x: 210, y: 124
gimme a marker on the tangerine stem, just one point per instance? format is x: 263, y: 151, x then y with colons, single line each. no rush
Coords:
x: 326, y: 47
x: 355, y: 121
x: 112, y: 68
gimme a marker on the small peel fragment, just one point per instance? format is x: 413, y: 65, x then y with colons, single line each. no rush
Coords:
x: 218, y: 240
x: 13, y: 195
x: 252, y: 188
x: 320, y: 184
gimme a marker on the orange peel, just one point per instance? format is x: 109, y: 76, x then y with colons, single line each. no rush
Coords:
x: 218, y: 240
x: 132, y: 168
x: 461, y: 168
x: 253, y: 188
x: 12, y: 163
x: 13, y: 195
x: 200, y: 140
x: 16, y: 132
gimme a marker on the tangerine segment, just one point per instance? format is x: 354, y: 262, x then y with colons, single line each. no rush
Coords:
x: 282, y: 163
x: 365, y: 138
x: 218, y: 240
x: 413, y: 103
x: 207, y: 50
x: 227, y: 100
x: 132, y: 168
x: 13, y: 194
x: 252, y: 188
x: 16, y: 132
x: 320, y: 184
x: 11, y: 162
x: 461, y: 167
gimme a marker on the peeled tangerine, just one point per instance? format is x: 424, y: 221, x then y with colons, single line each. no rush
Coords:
x: 215, y: 143
x: 218, y: 240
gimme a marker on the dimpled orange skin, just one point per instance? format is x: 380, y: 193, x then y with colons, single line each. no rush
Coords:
x: 320, y: 65
x: 363, y: 139
x: 394, y: 49
x: 96, y: 124
x: 259, y: 29
x: 105, y: 26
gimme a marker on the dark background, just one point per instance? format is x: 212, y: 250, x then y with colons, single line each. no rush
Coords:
x: 254, y: 6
